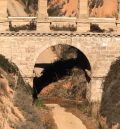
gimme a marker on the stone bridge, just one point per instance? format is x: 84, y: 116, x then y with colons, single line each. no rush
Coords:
x: 100, y: 49
x: 23, y: 48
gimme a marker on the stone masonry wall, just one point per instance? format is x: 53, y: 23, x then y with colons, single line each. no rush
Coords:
x: 24, y: 49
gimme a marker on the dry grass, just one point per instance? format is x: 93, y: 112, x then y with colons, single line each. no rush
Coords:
x: 36, y: 118
x: 22, y: 114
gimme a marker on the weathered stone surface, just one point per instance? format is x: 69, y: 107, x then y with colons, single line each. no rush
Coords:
x: 83, y: 9
x: 42, y: 7
x: 3, y: 9
x: 100, y: 51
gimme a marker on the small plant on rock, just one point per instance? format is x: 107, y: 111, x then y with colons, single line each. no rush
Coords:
x: 39, y: 103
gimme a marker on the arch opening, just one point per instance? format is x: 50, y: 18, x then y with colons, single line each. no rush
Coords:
x: 61, y: 70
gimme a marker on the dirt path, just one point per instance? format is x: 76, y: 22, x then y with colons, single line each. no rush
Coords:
x: 65, y: 120
x: 16, y: 9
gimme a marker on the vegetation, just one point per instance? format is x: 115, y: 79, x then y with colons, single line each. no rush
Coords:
x: 39, y: 103
x: 110, y: 106
x: 11, y: 69
x: 30, y: 27
x: 63, y: 28
x: 96, y: 28
x: 7, y: 65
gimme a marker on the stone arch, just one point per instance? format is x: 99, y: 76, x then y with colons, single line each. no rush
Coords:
x: 84, y: 51
x: 87, y: 61
x: 84, y: 65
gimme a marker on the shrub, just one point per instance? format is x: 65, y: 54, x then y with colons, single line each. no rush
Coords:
x: 39, y: 103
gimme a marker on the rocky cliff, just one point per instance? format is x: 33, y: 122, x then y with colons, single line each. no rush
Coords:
x: 97, y: 8
x: 103, y: 8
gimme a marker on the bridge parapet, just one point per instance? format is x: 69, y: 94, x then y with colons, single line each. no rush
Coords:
x: 81, y: 25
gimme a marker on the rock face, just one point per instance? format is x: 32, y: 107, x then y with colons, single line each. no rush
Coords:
x: 69, y: 8
x: 7, y: 107
x: 103, y: 8
x: 62, y: 8
x: 97, y: 8
x: 22, y: 8
x: 5, y: 89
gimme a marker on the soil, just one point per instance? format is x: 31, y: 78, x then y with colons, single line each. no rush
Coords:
x: 88, y: 121
x: 65, y: 120
x: 73, y: 107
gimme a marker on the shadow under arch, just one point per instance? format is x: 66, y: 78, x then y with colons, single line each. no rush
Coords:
x: 110, y: 104
x: 56, y: 70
